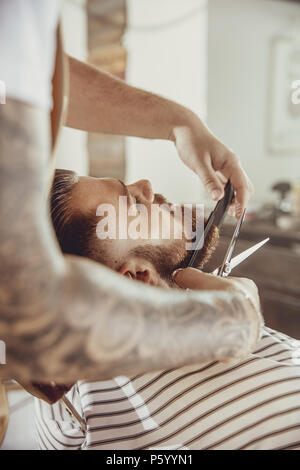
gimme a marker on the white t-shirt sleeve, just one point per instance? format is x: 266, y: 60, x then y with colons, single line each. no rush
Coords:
x: 27, y: 49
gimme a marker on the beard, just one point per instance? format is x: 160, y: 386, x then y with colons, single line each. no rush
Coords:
x: 167, y: 258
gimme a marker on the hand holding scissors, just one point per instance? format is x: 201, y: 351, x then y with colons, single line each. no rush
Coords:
x: 215, y: 219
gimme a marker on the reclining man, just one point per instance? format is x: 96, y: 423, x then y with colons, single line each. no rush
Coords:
x: 253, y: 403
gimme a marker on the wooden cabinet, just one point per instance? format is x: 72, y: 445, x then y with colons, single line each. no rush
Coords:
x: 275, y: 268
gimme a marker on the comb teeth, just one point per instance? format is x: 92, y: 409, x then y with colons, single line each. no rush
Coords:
x: 215, y: 219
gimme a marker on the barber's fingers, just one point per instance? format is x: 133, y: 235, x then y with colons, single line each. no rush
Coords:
x: 241, y: 184
x: 191, y: 278
x: 210, y: 178
x: 230, y: 169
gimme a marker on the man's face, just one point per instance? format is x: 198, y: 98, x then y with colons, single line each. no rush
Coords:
x: 128, y: 211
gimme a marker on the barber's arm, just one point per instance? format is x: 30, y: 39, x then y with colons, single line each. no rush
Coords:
x: 100, y: 102
x: 190, y: 278
x: 65, y: 318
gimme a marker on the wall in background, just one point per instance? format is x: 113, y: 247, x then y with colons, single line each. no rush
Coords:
x: 240, y: 33
x: 174, y: 50
x: 166, y: 45
x: 106, y: 25
x: 72, y: 148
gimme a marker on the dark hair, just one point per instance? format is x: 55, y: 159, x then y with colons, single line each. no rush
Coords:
x: 74, y: 230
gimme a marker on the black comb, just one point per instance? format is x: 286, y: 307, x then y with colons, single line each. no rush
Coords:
x: 215, y: 219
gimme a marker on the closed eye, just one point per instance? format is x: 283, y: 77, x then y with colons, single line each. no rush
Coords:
x: 137, y: 200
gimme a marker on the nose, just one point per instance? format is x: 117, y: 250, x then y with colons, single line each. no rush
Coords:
x: 144, y: 188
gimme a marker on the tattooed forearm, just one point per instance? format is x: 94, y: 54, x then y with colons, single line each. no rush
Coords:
x: 66, y: 319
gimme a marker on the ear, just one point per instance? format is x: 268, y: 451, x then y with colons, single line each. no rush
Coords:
x: 140, y: 270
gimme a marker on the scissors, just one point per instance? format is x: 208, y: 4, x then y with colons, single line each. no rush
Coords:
x: 216, y: 219
x: 230, y: 263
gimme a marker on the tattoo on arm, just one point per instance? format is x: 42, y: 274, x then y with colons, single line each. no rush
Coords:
x: 68, y: 318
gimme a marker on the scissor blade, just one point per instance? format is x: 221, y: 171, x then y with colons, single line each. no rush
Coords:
x: 245, y: 254
x: 227, y: 259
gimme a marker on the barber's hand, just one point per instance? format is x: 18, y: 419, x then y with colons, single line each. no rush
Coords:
x: 190, y: 278
x: 212, y: 161
x: 197, y: 280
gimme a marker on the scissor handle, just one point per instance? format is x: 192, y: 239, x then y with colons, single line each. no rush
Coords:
x: 224, y: 270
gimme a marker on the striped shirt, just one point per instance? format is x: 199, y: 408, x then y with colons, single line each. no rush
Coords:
x: 251, y: 404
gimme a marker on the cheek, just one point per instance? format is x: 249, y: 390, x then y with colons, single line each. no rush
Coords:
x: 117, y: 252
x: 171, y: 226
x: 161, y: 225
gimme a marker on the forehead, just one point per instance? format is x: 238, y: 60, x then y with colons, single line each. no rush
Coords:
x: 89, y: 192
